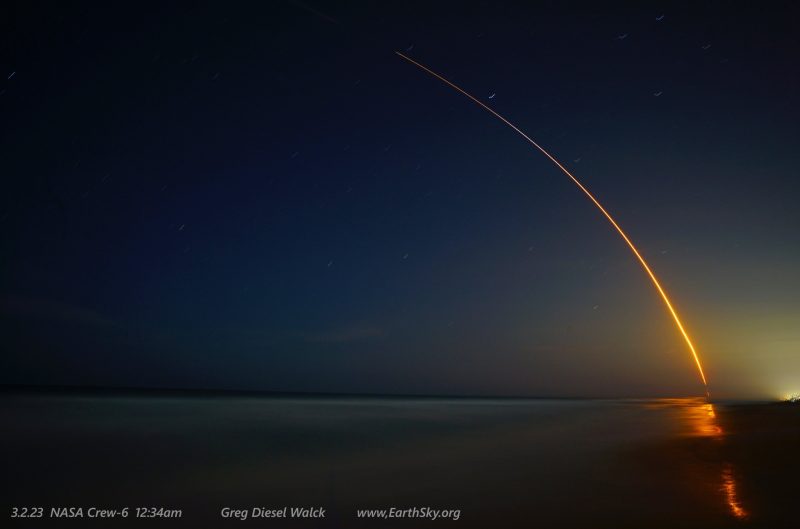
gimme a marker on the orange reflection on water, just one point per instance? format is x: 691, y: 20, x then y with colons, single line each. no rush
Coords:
x: 700, y: 419
x: 711, y: 428
x: 708, y: 423
x: 729, y: 487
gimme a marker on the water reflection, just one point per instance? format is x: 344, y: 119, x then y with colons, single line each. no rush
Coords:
x: 729, y: 487
x: 728, y: 479
x: 700, y: 419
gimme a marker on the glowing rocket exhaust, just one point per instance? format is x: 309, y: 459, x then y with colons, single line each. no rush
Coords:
x: 608, y: 216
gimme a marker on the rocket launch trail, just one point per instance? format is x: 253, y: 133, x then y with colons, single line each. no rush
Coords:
x: 603, y: 210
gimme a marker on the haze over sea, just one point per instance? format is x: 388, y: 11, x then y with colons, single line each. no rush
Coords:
x: 501, y: 462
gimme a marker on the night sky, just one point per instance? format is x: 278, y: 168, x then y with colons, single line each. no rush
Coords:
x: 268, y: 198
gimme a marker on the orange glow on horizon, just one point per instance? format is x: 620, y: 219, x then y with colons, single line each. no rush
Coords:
x: 608, y: 216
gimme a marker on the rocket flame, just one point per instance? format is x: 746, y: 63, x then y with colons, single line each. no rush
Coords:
x: 608, y: 216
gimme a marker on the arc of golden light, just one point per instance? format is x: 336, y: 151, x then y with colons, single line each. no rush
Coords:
x: 603, y: 210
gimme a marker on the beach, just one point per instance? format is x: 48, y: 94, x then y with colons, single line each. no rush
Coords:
x: 431, y: 462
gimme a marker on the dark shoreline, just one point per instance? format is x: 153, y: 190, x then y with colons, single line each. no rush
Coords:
x: 112, y: 391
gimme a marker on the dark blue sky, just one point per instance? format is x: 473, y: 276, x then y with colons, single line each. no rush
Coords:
x: 269, y: 198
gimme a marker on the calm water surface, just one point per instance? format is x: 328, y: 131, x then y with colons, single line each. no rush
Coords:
x: 502, y: 463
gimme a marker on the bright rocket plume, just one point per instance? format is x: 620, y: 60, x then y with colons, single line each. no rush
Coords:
x: 608, y: 216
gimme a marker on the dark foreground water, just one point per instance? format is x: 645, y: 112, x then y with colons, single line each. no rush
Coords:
x: 488, y: 463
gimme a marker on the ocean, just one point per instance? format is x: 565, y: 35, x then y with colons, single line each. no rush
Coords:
x: 264, y: 461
